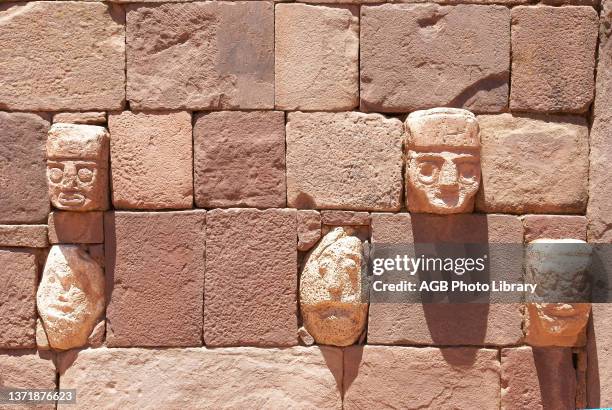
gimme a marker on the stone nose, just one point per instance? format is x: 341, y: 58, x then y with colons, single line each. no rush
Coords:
x: 69, y: 179
x: 448, y: 175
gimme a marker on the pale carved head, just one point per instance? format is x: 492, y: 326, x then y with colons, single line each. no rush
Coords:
x: 77, y: 167
x: 443, y: 161
x: 559, y: 310
x: 70, y: 297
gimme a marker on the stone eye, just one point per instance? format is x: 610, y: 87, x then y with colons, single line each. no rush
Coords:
x: 428, y: 171
x: 85, y: 175
x: 56, y: 174
x: 467, y: 172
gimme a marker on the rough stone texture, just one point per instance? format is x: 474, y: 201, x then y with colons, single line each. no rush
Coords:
x: 599, y: 356
x: 599, y: 210
x: 191, y: 56
x: 27, y: 236
x: 308, y: 229
x: 22, y: 167
x: 25, y: 369
x: 90, y: 118
x: 416, y: 56
x: 198, y: 378
x: 553, y: 58
x: 554, y: 227
x: 450, y: 324
x: 154, y: 278
x: 97, y: 336
x: 542, y: 378
x: 347, y: 160
x: 42, y: 341
x: 17, y: 298
x: 251, y: 278
x: 239, y: 159
x: 343, y: 218
x: 76, y: 227
x: 316, y: 57
x: 76, y: 63
x: 407, y: 377
x: 533, y: 164
x: 151, y: 159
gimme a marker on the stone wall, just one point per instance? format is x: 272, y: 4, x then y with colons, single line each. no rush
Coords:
x: 240, y: 133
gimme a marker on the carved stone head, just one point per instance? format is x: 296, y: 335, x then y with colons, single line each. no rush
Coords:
x: 70, y: 297
x: 443, y: 161
x: 77, y: 167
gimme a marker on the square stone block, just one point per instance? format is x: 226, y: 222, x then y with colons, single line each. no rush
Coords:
x: 26, y: 236
x: 27, y: 369
x: 76, y: 227
x: 154, y: 278
x: 554, y: 227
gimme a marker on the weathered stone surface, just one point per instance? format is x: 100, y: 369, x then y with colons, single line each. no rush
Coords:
x: 533, y: 164
x: 70, y: 297
x: 316, y: 57
x: 347, y: 160
x: 416, y: 56
x: 76, y: 227
x: 251, y: 278
x: 308, y: 228
x: 42, y: 341
x: 553, y: 58
x: 191, y: 56
x: 26, y: 369
x: 554, y: 227
x: 27, y: 236
x: 22, y: 168
x: 344, y: 218
x: 17, y: 298
x: 239, y: 159
x: 599, y: 350
x: 241, y: 377
x: 407, y: 377
x: 537, y: 378
x: 154, y: 278
x: 90, y: 117
x: 76, y: 63
x: 151, y: 157
x: 97, y: 336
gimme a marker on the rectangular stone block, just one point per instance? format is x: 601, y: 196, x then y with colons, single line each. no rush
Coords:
x: 416, y: 56
x: 345, y: 218
x: 27, y: 369
x: 346, y: 160
x: 192, y: 56
x: 553, y: 58
x: 19, y: 278
x: 599, y: 357
x: 76, y: 227
x: 308, y: 228
x: 408, y: 377
x: 23, y: 167
x: 554, y: 227
x: 251, y: 278
x: 537, y: 378
x: 26, y: 236
x: 239, y: 159
x: 154, y: 278
x: 90, y: 118
x: 535, y: 164
x: 62, y: 55
x: 151, y: 160
x: 239, y: 377
x: 316, y: 57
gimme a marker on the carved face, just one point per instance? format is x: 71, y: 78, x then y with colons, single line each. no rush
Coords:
x: 74, y: 184
x: 443, y: 182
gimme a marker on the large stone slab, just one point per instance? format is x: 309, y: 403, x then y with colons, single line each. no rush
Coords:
x: 198, y: 378
x: 553, y: 58
x: 26, y: 369
x: 23, y: 169
x: 193, y: 56
x: 62, y: 55
x: 76, y: 227
x: 416, y: 56
x: 26, y: 236
x: 346, y: 160
x: 251, y: 278
x: 533, y: 164
x: 408, y: 377
x: 154, y: 278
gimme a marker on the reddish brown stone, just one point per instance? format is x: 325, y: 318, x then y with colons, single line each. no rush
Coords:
x: 26, y: 236
x: 599, y: 357
x: 554, y: 227
x: 154, y: 278
x: 342, y: 218
x: 76, y: 227
x: 308, y: 228
x: 26, y: 369
x: 251, y: 278
x: 19, y: 277
x: 239, y: 159
x: 89, y: 118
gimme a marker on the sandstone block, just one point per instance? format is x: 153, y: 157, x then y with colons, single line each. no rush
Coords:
x: 347, y: 160
x: 76, y: 227
x: 599, y: 356
x: 26, y: 369
x: 533, y: 164
x: 76, y: 63
x: 239, y: 159
x: 251, y: 278
x: 537, y: 378
x: 416, y: 56
x: 553, y: 58
x: 22, y: 168
x: 344, y: 218
x: 308, y: 228
x: 26, y: 236
x: 407, y: 377
x: 554, y: 227
x: 190, y: 55
x: 151, y: 157
x: 154, y: 278
x: 19, y: 278
x: 316, y: 57
x: 89, y: 117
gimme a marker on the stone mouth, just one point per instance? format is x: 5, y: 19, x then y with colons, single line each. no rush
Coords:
x: 71, y: 198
